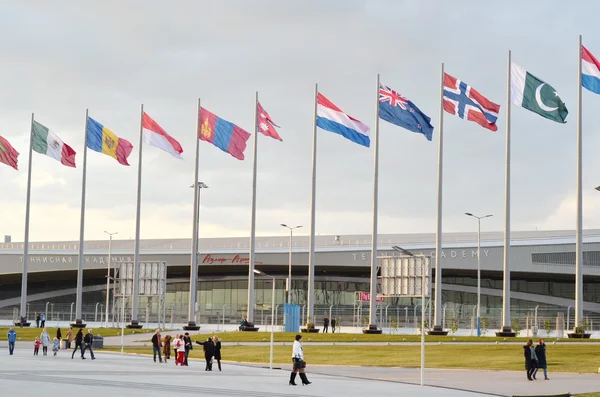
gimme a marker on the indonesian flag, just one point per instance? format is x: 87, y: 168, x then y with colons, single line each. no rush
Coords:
x: 265, y: 125
x: 156, y: 136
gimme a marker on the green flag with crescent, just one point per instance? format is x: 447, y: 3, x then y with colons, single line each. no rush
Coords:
x: 534, y: 94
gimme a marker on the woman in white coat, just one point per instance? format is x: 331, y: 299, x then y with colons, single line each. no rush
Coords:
x: 298, y: 363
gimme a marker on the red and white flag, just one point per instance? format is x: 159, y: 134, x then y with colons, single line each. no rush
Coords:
x: 156, y: 136
x: 265, y: 125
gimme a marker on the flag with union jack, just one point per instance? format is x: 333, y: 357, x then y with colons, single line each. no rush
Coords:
x: 396, y: 109
x: 467, y: 103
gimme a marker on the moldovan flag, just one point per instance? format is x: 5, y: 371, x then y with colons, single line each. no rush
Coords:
x: 156, y: 136
x: 48, y: 143
x: 8, y: 154
x: 101, y: 139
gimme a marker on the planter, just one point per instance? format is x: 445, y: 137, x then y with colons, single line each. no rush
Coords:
x: 574, y: 335
x: 310, y: 330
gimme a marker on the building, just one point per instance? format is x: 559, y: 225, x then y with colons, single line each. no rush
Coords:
x: 542, y: 272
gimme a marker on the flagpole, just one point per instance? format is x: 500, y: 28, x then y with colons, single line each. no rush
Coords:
x: 79, y: 295
x: 578, y: 232
x: 437, y: 327
x: 311, y: 242
x: 191, y: 325
x: 26, y: 243
x: 250, y: 314
x: 136, y: 255
x: 373, y: 295
x: 506, y: 326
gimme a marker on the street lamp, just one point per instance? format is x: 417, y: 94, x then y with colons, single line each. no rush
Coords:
x: 272, y: 314
x: 289, y: 286
x: 597, y: 188
x: 479, y: 218
x: 108, y: 277
x: 402, y: 250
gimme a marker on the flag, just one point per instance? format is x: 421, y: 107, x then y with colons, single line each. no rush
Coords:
x: 8, y: 154
x: 223, y: 134
x: 590, y: 71
x: 396, y: 109
x: 48, y: 143
x: 265, y: 125
x: 467, y: 103
x: 535, y: 95
x: 103, y: 140
x: 154, y: 135
x: 333, y: 119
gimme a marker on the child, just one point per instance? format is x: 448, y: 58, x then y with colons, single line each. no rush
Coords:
x: 36, y: 345
x: 55, y: 345
x: 180, y: 350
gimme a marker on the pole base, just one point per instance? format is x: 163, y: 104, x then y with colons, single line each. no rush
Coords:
x: 438, y: 331
x: 78, y: 324
x: 134, y: 325
x: 506, y: 332
x: 191, y: 326
x: 372, y: 330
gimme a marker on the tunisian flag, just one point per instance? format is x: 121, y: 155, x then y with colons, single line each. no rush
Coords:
x: 156, y: 136
x: 8, y: 154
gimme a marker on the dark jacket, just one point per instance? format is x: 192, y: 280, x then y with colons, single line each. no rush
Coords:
x: 88, y: 339
x: 209, y: 348
x: 529, y: 363
x: 79, y: 338
x: 326, y: 322
x: 188, y: 343
x: 155, y: 341
x: 58, y: 334
x: 217, y: 352
x: 540, y: 351
x: 333, y: 322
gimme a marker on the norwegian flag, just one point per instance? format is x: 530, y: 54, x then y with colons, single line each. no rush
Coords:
x: 265, y: 125
x: 467, y: 103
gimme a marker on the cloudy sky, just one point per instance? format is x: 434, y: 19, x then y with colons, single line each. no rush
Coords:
x: 61, y: 57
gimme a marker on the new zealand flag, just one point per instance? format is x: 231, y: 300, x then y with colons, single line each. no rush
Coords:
x: 396, y: 109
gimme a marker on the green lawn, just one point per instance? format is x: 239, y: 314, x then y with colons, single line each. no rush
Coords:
x: 594, y: 394
x: 30, y: 333
x: 236, y: 336
x: 561, y: 358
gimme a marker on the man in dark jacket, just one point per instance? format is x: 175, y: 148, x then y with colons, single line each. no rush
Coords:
x: 333, y: 325
x: 156, y: 345
x: 209, y: 352
x: 88, y: 340
x: 325, y: 324
x: 187, y: 343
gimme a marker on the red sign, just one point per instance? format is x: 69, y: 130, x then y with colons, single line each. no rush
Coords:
x: 208, y: 258
x: 366, y: 297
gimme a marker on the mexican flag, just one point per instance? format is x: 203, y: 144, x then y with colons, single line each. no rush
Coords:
x: 48, y: 143
x: 533, y: 94
x: 8, y: 154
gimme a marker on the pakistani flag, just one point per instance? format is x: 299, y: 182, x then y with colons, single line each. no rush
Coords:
x: 48, y: 143
x: 533, y: 94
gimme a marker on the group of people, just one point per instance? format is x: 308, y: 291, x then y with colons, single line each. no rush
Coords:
x: 182, y: 345
x: 326, y: 324
x: 83, y: 343
x: 535, y: 358
x: 40, y: 320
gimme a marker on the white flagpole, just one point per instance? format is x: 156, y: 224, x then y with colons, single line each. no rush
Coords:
x: 437, y: 326
x: 250, y: 314
x: 79, y: 296
x: 136, y: 255
x: 311, y: 242
x: 373, y: 295
x: 578, y: 232
x: 506, y: 326
x: 194, y: 265
x: 26, y: 243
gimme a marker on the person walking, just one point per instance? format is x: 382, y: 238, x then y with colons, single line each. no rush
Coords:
x: 167, y: 348
x: 217, y: 353
x: 58, y: 336
x: 209, y: 352
x: 45, y: 338
x: 187, y: 345
x: 12, y: 338
x: 156, y: 345
x: 36, y: 345
x: 298, y: 362
x: 325, y: 324
x: 55, y: 346
x: 43, y: 320
x: 540, y: 352
x: 333, y: 325
x: 79, y: 344
x: 530, y: 359
x: 179, y: 348
x: 88, y: 341
x: 37, y: 320
x: 69, y: 337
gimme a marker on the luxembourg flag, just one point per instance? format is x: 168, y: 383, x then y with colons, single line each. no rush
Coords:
x: 590, y: 71
x: 333, y: 119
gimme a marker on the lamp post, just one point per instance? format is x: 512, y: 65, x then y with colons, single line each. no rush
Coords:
x: 479, y: 218
x: 191, y: 325
x: 108, y: 277
x: 272, y: 315
x: 289, y: 286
